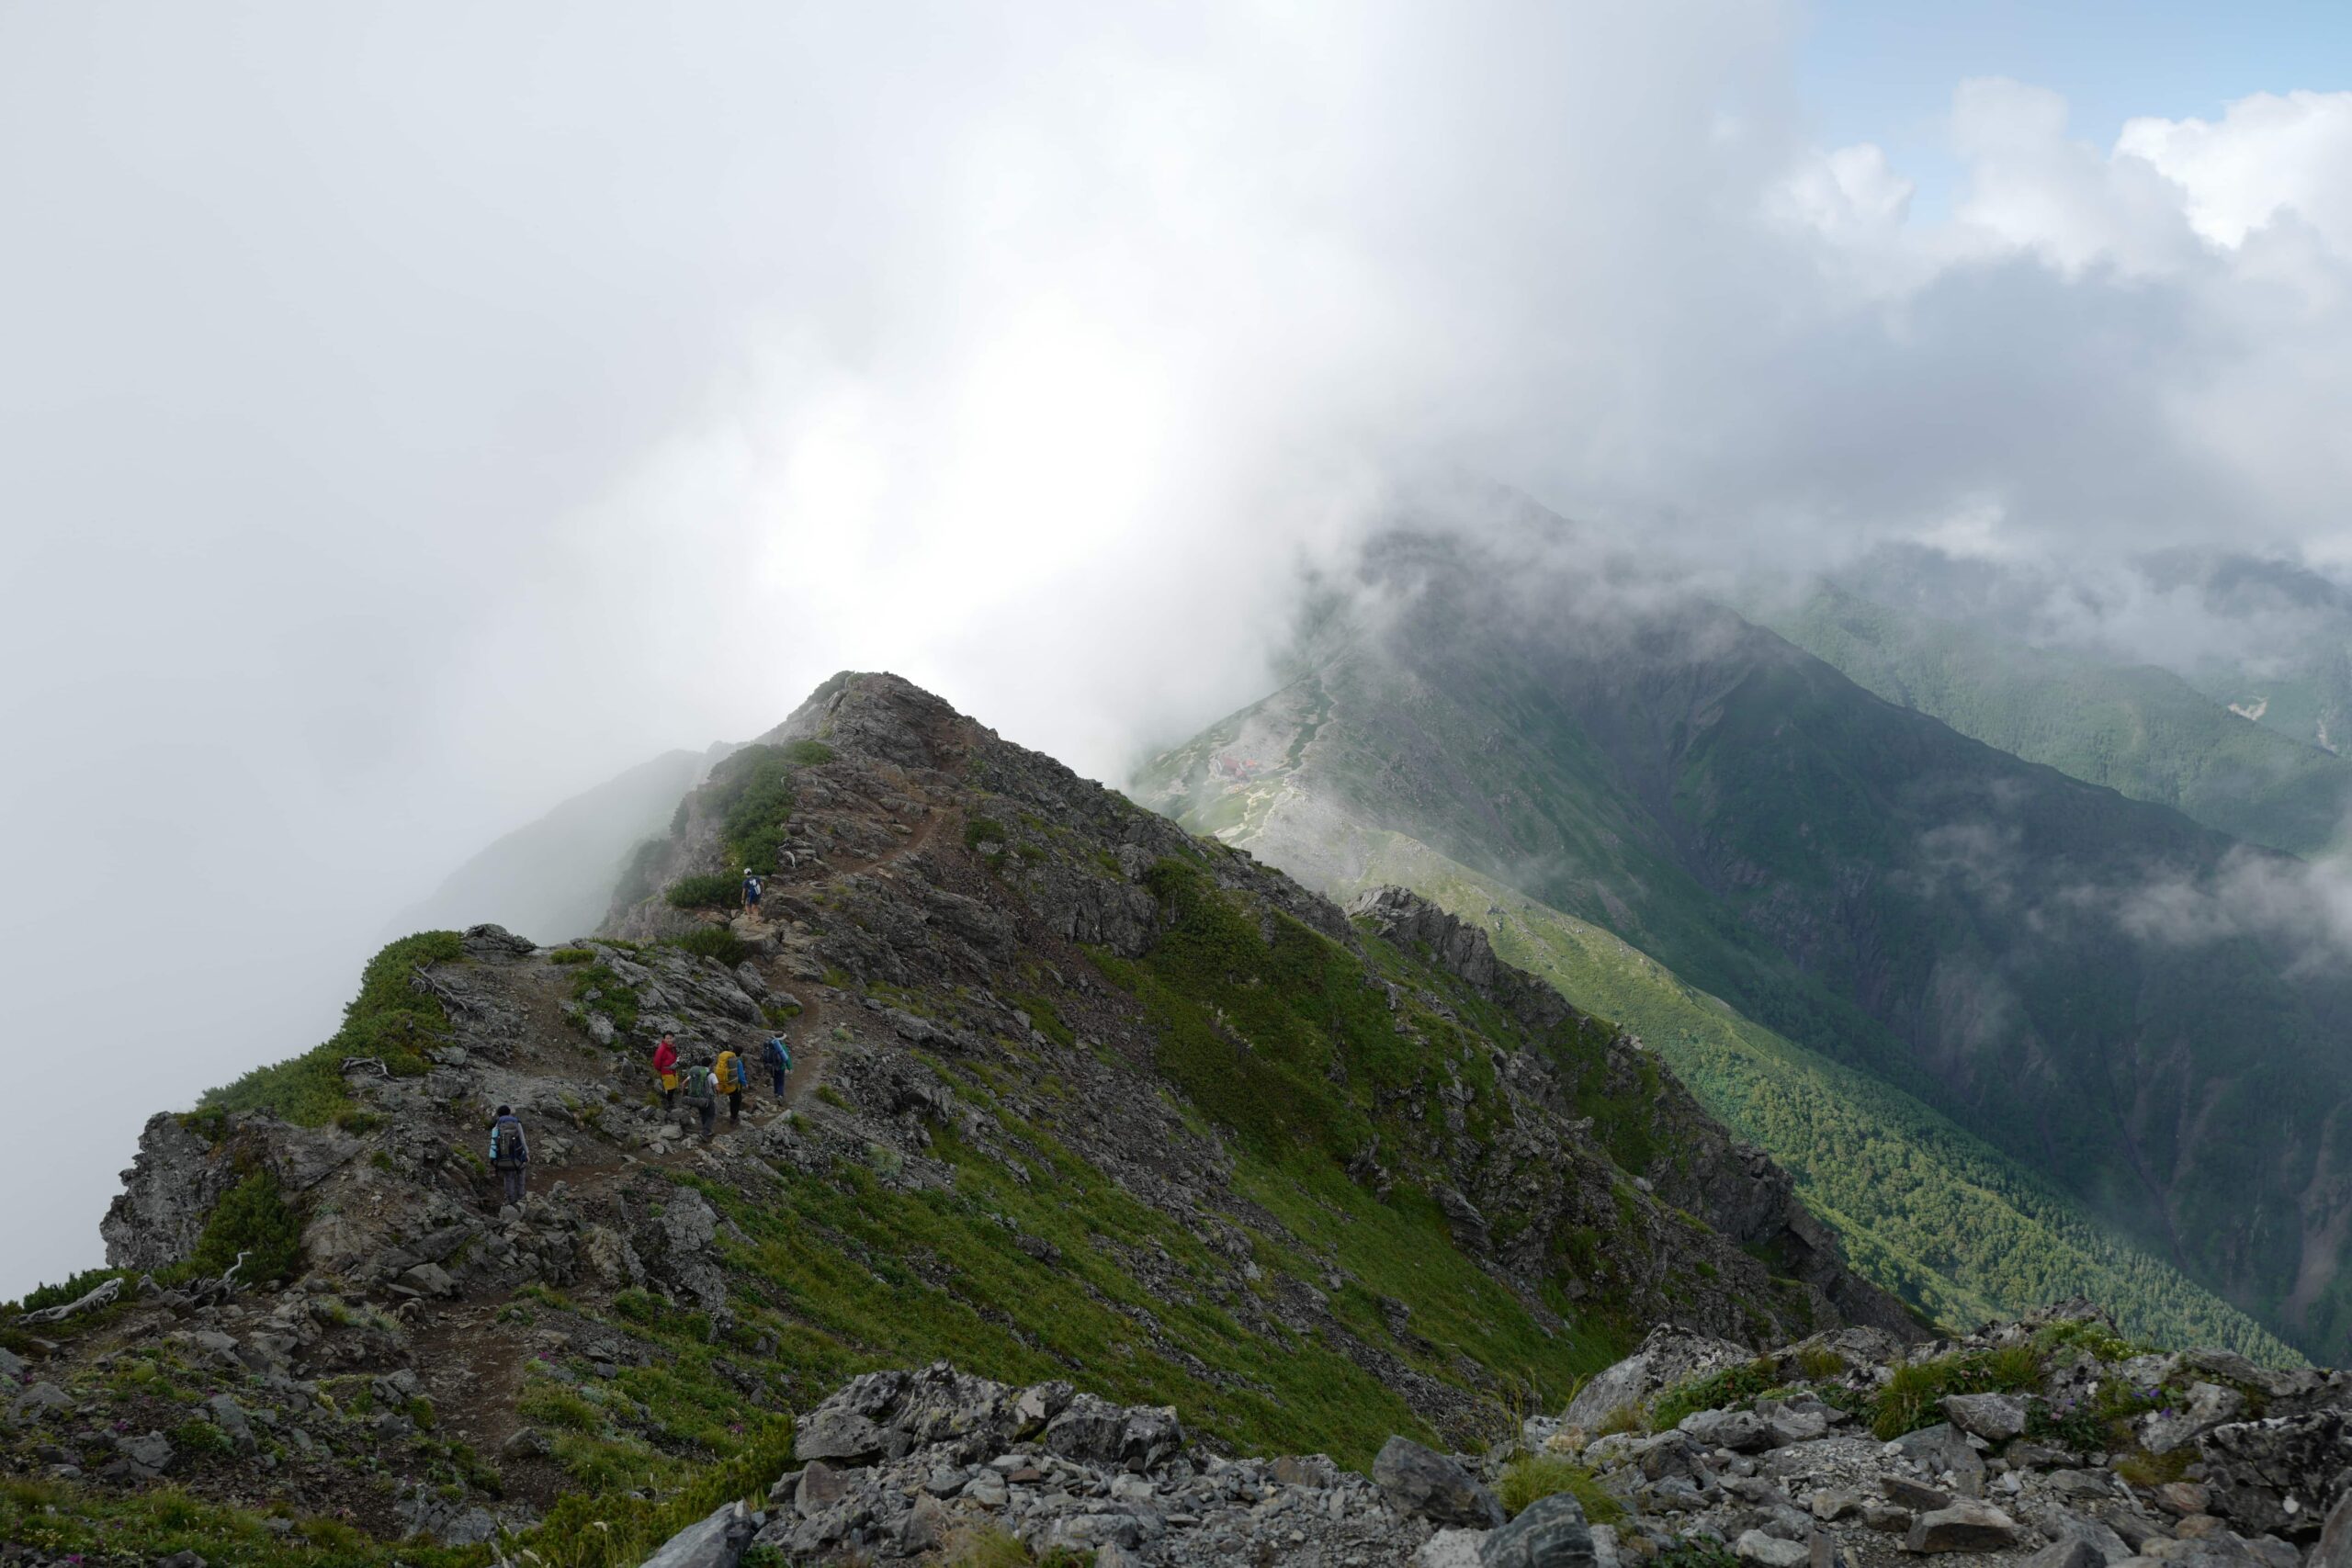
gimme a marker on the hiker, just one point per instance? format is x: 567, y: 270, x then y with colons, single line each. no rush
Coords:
x: 778, y: 1057
x: 729, y: 1072
x: 751, y: 892
x: 702, y: 1093
x: 665, y: 1067
x: 510, y: 1152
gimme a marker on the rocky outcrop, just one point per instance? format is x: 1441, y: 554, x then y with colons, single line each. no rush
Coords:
x: 167, y: 1194
x: 1697, y: 1166
x: 895, y: 1466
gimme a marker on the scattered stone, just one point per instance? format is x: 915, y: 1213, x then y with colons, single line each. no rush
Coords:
x: 1995, y: 1417
x: 2067, y: 1552
x: 2183, y: 1497
x: 1451, y: 1548
x: 1550, y: 1532
x: 717, y: 1541
x: 1909, y: 1493
x: 1770, y: 1552
x: 1741, y: 1431
x: 1966, y: 1526
x: 1424, y: 1483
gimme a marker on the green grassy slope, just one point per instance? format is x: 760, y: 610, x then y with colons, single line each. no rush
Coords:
x: 1925, y: 1209
x: 2134, y: 728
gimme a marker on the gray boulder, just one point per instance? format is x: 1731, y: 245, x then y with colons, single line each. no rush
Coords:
x: 1771, y: 1550
x: 1966, y: 1526
x: 1941, y: 1450
x: 1550, y: 1532
x: 1995, y: 1417
x: 2335, y: 1548
x: 718, y: 1541
x: 1741, y: 1431
x: 2255, y: 1468
x: 2067, y: 1552
x: 1423, y: 1483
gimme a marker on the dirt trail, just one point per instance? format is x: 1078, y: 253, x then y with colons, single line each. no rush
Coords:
x: 470, y: 1362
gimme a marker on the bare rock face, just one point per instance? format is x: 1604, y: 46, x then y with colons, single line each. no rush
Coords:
x: 168, y: 1193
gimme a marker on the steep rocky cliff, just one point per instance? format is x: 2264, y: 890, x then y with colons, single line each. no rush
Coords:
x: 1077, y: 1097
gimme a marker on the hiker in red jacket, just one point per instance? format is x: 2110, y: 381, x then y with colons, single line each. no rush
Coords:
x: 665, y: 1067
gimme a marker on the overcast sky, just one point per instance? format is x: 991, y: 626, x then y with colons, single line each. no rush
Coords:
x: 411, y: 414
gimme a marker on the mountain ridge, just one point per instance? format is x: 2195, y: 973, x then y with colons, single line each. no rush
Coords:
x: 1079, y: 1095
x: 1974, y: 930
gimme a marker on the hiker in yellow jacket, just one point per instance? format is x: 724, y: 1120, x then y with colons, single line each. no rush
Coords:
x: 730, y: 1067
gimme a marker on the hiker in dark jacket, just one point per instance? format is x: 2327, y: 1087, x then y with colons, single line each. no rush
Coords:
x: 778, y: 1057
x: 510, y: 1152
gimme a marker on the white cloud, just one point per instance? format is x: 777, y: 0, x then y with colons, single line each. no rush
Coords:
x: 400, y: 433
x: 2268, y: 155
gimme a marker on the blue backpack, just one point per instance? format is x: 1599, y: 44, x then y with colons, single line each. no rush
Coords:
x: 779, y: 1054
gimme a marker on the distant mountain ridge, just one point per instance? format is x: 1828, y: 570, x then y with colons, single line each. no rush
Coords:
x: 2141, y: 731
x: 1966, y: 928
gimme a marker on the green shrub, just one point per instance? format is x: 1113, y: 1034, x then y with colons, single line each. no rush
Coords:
x: 552, y: 1404
x: 599, y: 989
x: 621, y: 1529
x: 1819, y: 1363
x: 251, y: 1217
x: 2102, y: 1421
x: 2089, y: 1334
x: 753, y: 789
x: 73, y: 1288
x: 808, y: 753
x: 392, y: 1018
x: 1626, y: 1417
x: 717, y: 890
x: 712, y: 941
x: 981, y: 831
x: 1912, y: 1397
x: 2144, y: 1469
x: 1730, y: 1389
x: 1531, y: 1476
x: 571, y: 955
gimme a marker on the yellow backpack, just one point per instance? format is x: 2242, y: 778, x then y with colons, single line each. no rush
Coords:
x: 730, y: 1071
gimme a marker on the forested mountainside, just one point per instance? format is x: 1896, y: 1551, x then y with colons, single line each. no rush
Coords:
x: 1079, y: 1099
x: 1992, y: 938
x: 2146, y: 732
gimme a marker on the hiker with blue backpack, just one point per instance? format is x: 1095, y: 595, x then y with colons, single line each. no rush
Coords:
x: 778, y: 1057
x: 510, y: 1152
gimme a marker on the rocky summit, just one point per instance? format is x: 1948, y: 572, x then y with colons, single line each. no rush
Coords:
x: 1155, y: 1164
